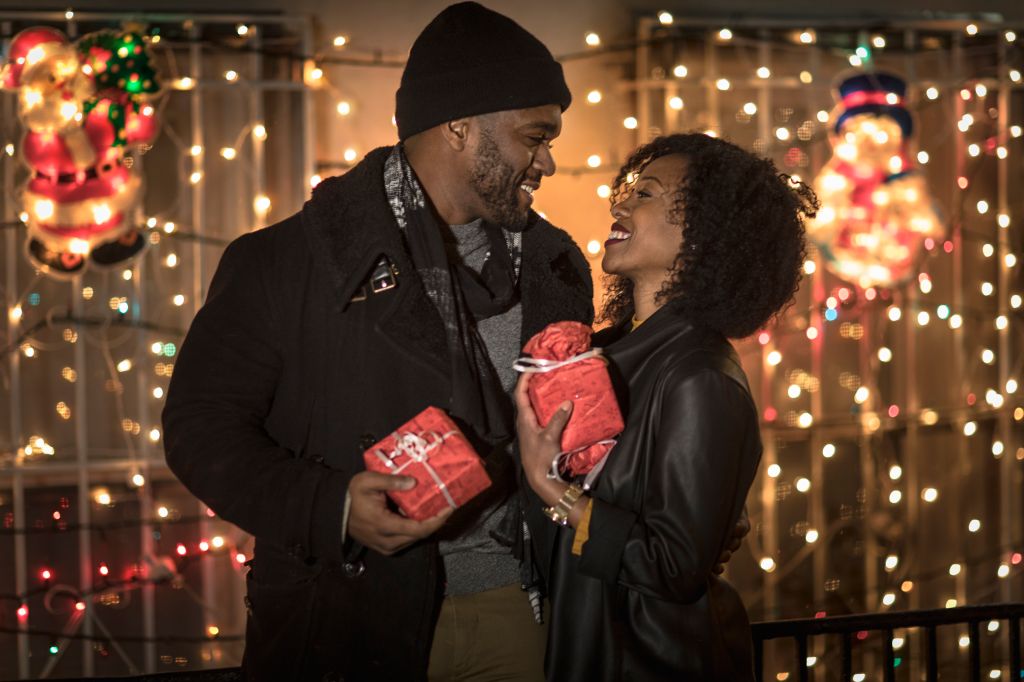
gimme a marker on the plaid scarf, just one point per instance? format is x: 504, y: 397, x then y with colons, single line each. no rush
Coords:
x: 462, y: 296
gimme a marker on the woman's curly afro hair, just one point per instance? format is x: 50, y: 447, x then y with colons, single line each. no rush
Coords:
x: 743, y: 236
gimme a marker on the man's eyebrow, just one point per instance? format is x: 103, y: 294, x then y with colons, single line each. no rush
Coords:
x: 548, y: 128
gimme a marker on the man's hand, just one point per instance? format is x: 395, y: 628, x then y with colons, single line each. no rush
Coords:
x: 377, y: 527
x: 735, y: 540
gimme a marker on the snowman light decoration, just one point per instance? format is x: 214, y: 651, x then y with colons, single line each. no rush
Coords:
x: 83, y: 105
x: 876, y: 212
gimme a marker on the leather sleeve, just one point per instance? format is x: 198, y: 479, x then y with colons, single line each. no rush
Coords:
x: 698, y: 476
x: 223, y: 385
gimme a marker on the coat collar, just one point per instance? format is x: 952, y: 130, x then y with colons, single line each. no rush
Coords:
x: 349, y: 223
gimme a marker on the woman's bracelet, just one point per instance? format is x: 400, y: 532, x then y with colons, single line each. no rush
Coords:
x: 559, y: 512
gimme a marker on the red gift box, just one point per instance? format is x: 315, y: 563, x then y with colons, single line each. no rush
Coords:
x: 563, y: 367
x: 431, y: 449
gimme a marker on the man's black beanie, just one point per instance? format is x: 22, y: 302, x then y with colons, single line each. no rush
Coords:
x: 471, y: 60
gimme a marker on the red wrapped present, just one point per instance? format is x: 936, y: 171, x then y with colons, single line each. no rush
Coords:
x: 431, y: 449
x: 563, y: 367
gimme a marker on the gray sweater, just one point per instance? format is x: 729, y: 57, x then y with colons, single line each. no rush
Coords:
x: 473, y: 560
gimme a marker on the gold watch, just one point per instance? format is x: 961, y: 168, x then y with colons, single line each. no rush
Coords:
x: 559, y: 513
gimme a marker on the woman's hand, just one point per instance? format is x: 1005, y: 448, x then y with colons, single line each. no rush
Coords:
x: 538, y: 446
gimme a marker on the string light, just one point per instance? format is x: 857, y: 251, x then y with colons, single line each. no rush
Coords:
x: 630, y: 123
x: 725, y: 34
x: 679, y: 71
x: 594, y: 96
x: 592, y: 39
x: 340, y: 41
x: 665, y: 18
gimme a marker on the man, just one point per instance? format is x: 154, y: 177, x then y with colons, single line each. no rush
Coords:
x: 413, y: 280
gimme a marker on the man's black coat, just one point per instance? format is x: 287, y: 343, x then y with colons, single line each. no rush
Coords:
x: 281, y: 384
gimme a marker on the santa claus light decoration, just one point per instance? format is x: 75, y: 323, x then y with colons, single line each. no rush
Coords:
x: 876, y: 212
x: 83, y: 105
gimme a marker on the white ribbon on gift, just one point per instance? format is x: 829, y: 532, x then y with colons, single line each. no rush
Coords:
x: 417, y: 449
x: 588, y: 482
x: 539, y: 365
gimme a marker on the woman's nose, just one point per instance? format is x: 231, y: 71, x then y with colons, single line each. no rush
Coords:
x: 620, y: 210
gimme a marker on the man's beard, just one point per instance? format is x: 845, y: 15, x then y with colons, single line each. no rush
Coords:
x: 496, y: 184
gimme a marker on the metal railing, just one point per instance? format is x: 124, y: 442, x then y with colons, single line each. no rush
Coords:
x: 847, y: 627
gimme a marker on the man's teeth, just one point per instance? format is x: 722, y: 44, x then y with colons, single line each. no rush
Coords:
x: 618, y: 234
x: 526, y: 188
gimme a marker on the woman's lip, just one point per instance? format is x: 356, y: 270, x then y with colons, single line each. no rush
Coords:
x: 610, y: 242
x: 618, y: 227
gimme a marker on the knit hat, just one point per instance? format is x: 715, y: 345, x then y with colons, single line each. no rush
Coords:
x: 471, y: 60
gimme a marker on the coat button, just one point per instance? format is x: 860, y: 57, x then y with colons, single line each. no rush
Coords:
x: 353, y: 569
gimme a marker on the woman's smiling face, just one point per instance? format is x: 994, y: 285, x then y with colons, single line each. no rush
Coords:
x: 644, y: 242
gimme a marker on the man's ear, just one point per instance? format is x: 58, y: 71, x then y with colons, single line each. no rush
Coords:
x: 456, y: 133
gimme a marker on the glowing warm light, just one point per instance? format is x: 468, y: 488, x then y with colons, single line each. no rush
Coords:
x: 828, y: 451
x: 782, y: 134
x: 259, y: 131
x: 895, y: 472
x: 807, y: 37
x: 680, y: 71
x: 764, y: 72
x: 811, y: 535
x: 665, y: 18
x: 749, y: 108
x: 971, y: 29
x: 185, y: 83
x: 261, y: 203
x: 884, y: 354
x: 138, y: 480
x: 231, y: 76
x: 773, y: 471
x: 195, y: 178
x: 630, y: 123
x: 774, y: 358
x: 803, y: 484
x: 101, y: 496
x: 228, y: 153
x: 594, y: 96
x: 675, y: 103
x: 891, y: 562
x: 955, y: 569
x: 592, y: 39
x: 929, y: 494
x: 861, y: 395
x: 593, y: 247
x: 895, y: 496
x: 725, y: 34
x: 340, y: 41
x: 593, y: 160
x: 723, y: 84
x: 178, y: 300
x: 889, y: 598
x: 767, y: 564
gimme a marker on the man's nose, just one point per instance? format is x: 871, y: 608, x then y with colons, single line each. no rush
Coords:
x: 544, y: 161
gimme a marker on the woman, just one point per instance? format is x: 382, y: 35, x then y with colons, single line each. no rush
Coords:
x: 707, y: 245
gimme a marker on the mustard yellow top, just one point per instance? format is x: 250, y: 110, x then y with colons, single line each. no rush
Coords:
x: 583, y: 530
